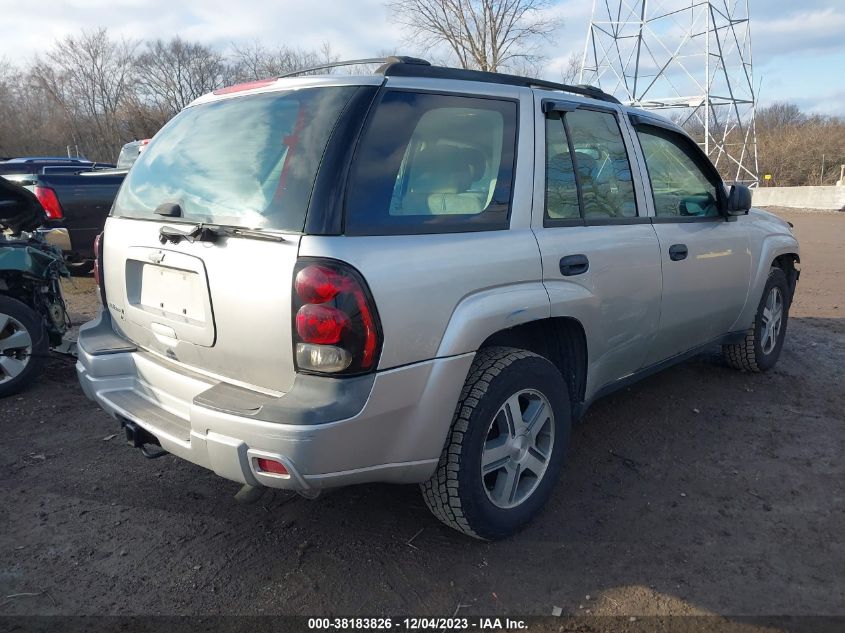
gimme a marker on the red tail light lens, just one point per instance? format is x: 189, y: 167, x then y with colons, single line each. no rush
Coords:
x: 320, y: 324
x: 98, y: 266
x: 336, y: 324
x: 317, y: 284
x: 97, y: 241
x: 47, y: 197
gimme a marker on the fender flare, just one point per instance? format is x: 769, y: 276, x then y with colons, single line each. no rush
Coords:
x: 772, y: 247
x: 483, y: 313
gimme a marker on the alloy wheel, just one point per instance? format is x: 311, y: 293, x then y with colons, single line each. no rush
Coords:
x: 518, y: 448
x: 772, y: 319
x: 15, y: 347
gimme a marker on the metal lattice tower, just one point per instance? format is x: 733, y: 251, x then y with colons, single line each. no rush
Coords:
x: 689, y: 57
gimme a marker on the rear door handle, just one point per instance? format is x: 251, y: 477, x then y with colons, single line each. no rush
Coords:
x: 677, y: 252
x: 574, y: 265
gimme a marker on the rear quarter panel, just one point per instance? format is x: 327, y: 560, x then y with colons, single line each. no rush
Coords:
x: 443, y: 294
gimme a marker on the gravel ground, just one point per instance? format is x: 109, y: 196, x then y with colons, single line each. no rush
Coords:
x: 701, y: 490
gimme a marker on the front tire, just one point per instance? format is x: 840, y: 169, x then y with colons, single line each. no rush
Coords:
x: 23, y: 345
x: 764, y: 340
x: 506, y: 445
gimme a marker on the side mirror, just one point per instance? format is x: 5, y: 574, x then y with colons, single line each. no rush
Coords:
x: 739, y: 200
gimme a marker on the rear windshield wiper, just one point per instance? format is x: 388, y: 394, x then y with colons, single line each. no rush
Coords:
x: 211, y: 233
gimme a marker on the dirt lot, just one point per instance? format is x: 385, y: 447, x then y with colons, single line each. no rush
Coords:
x: 700, y: 490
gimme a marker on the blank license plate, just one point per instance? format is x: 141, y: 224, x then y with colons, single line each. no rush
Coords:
x: 173, y: 292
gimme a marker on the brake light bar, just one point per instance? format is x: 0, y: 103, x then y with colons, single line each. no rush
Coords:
x: 249, y: 85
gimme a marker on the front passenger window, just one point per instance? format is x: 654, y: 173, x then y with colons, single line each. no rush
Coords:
x: 680, y: 187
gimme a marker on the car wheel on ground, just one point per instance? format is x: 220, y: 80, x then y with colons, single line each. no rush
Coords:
x: 760, y: 349
x: 506, y: 445
x: 23, y: 345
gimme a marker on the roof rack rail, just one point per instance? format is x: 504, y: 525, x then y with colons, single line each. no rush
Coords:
x: 404, y: 66
x: 385, y: 61
x: 398, y: 68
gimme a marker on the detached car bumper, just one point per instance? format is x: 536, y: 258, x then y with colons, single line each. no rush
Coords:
x: 387, y: 427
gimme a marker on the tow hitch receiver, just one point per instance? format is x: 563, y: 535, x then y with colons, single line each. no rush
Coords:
x: 138, y: 437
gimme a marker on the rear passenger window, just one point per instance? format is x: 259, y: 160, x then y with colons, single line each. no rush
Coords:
x: 432, y: 163
x: 601, y: 161
x: 561, y: 190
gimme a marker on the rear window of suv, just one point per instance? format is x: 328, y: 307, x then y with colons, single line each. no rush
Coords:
x: 433, y: 163
x: 247, y: 161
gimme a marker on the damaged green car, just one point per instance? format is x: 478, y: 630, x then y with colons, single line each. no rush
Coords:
x: 33, y: 317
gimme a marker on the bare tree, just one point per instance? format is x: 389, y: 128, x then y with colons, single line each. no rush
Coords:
x: 488, y: 35
x: 779, y: 114
x: 169, y: 75
x: 256, y: 61
x: 89, y: 76
x: 571, y: 69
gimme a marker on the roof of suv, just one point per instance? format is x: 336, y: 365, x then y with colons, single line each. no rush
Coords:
x: 401, y: 66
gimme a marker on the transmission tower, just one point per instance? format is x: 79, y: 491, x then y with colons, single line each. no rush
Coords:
x: 691, y: 58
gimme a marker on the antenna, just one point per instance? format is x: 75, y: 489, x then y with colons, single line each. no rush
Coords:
x: 691, y: 58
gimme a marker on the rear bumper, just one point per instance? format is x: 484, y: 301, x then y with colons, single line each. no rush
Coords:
x: 394, y: 434
x: 59, y: 238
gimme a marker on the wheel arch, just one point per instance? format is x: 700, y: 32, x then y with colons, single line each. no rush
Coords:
x: 790, y: 264
x: 561, y: 340
x: 777, y: 250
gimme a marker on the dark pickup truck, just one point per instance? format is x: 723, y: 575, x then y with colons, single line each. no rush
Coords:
x: 77, y: 196
x: 77, y: 206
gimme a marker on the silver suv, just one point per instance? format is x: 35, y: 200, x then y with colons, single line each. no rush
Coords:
x: 424, y: 275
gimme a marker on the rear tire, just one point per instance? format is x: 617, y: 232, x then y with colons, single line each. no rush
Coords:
x: 763, y: 341
x: 23, y: 345
x: 80, y: 267
x: 499, y: 465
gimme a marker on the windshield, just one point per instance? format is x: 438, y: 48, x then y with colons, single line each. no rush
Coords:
x: 248, y: 161
x: 128, y: 156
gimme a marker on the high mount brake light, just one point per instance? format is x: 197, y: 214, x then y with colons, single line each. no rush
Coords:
x: 249, y: 85
x: 336, y: 324
x: 47, y: 197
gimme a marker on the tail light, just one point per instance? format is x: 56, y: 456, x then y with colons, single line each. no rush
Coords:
x: 336, y: 326
x: 98, y: 266
x: 47, y: 197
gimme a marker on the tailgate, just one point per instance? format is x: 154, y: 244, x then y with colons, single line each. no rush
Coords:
x: 223, y: 309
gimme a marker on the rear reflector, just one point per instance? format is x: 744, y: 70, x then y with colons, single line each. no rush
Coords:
x: 271, y: 466
x: 47, y: 197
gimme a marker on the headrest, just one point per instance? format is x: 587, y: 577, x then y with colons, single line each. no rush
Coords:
x: 586, y: 164
x: 443, y: 167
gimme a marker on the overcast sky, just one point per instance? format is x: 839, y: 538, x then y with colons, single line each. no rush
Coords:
x: 799, y: 47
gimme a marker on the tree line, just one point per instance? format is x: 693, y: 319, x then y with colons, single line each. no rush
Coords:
x: 90, y: 93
